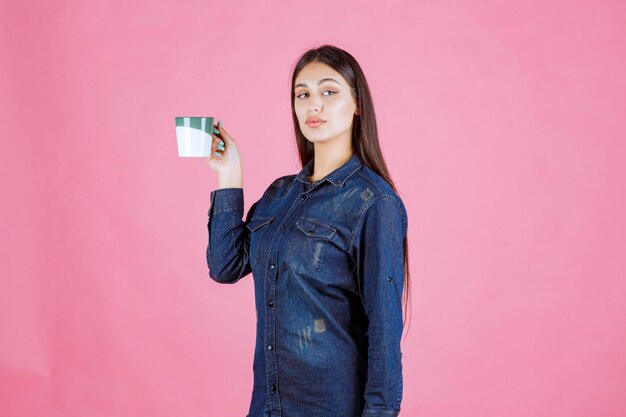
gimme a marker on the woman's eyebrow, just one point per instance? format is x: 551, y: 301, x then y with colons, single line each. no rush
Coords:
x: 318, y: 83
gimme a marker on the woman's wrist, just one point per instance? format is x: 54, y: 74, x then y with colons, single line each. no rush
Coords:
x: 230, y: 180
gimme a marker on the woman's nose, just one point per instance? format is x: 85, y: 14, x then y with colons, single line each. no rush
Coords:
x: 315, y: 104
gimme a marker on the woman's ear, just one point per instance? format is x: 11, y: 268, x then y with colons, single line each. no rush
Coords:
x: 357, y: 111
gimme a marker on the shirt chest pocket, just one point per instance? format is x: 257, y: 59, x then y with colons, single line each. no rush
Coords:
x: 257, y: 227
x: 308, y: 243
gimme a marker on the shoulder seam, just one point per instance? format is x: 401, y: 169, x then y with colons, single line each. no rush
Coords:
x: 360, y: 173
x: 362, y: 212
x: 382, y: 193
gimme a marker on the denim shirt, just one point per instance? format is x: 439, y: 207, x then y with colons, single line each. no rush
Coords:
x: 328, y: 268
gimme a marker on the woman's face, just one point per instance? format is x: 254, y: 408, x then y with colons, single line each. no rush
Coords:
x: 322, y: 92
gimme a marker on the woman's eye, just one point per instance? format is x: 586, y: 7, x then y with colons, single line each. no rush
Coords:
x: 326, y: 91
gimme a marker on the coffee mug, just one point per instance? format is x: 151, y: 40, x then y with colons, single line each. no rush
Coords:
x: 194, y: 136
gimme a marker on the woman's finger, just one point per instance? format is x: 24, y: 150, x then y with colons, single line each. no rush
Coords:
x: 218, y: 145
x: 223, y: 133
x: 217, y: 140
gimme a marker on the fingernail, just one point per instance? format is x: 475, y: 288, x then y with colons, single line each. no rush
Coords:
x: 215, y: 130
x: 217, y: 154
x: 220, y: 147
x: 219, y: 122
x: 221, y: 142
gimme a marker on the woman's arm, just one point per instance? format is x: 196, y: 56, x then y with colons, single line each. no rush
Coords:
x: 228, y: 250
x: 380, y: 272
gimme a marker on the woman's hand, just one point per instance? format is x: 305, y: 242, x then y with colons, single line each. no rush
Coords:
x: 227, y: 161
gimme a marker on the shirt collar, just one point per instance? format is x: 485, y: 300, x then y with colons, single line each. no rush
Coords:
x: 337, y: 177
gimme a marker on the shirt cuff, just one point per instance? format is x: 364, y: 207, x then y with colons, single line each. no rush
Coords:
x: 368, y: 412
x: 226, y: 200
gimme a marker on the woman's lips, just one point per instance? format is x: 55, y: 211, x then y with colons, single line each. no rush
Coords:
x: 315, y: 124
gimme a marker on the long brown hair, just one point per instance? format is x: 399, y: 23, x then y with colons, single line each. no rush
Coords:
x: 364, y: 130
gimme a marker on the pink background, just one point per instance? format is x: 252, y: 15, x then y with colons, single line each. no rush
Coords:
x: 502, y: 123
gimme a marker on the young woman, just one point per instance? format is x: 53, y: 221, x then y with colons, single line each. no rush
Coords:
x: 327, y: 250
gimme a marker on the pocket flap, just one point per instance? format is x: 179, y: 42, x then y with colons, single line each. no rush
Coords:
x: 315, y: 228
x: 257, y: 222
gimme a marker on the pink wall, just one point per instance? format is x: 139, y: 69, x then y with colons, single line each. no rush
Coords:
x: 502, y: 124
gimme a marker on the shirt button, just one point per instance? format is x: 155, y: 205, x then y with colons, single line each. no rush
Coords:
x: 270, y: 303
x: 282, y: 226
x: 273, y: 387
x: 304, y: 197
x: 272, y: 266
x: 269, y: 347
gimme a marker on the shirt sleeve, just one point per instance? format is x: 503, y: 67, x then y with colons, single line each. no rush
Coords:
x: 380, y: 273
x: 228, y: 249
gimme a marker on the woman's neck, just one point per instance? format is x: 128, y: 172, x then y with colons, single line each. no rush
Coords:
x: 326, y: 162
